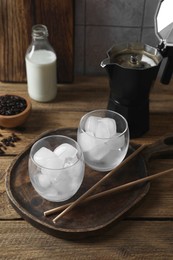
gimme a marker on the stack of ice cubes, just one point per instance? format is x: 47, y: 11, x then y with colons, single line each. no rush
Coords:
x: 63, y: 156
x: 100, y: 140
x: 100, y: 127
x: 59, y: 172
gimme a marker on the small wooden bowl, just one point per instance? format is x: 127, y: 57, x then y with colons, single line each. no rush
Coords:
x: 11, y: 121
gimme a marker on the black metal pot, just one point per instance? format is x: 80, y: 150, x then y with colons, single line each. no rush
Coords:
x: 132, y: 69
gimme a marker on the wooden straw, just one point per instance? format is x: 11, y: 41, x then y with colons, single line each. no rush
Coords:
x: 87, y: 193
x: 112, y: 191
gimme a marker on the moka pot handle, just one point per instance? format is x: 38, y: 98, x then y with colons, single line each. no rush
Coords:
x: 168, y: 70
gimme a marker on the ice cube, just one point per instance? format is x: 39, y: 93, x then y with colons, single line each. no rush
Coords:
x: 100, y: 150
x: 60, y: 149
x: 42, y: 154
x: 117, y: 142
x: 106, y: 127
x: 53, y: 163
x: 110, y: 125
x: 92, y: 147
x: 66, y: 185
x: 86, y: 141
x: 102, y: 130
x: 70, y: 161
x: 91, y: 124
x: 67, y: 154
x: 51, y: 193
x: 62, y: 181
x: 44, y: 180
x: 47, y: 160
x: 100, y: 127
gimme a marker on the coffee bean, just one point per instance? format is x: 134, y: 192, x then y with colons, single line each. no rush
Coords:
x: 9, y: 141
x: 12, y: 105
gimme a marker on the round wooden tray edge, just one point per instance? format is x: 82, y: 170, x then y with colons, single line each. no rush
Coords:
x: 59, y: 232
x: 75, y: 235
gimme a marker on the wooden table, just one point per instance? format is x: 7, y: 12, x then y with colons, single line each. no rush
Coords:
x: 145, y: 233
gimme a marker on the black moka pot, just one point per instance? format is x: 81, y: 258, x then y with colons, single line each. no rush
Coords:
x: 132, y: 69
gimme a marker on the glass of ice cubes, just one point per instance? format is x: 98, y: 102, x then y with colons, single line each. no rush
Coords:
x: 56, y: 167
x: 103, y: 136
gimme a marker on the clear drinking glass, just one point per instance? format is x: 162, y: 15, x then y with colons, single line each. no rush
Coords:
x: 103, y: 136
x: 56, y: 167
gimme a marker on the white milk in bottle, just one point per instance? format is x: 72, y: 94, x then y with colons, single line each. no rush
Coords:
x: 41, y: 66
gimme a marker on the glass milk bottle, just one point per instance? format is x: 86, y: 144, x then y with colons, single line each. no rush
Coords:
x: 41, y: 66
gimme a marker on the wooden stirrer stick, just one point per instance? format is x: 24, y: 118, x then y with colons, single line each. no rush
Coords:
x: 112, y: 191
x: 87, y: 193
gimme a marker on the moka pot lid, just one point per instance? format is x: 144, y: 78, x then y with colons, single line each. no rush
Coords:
x: 133, y: 56
x: 164, y: 22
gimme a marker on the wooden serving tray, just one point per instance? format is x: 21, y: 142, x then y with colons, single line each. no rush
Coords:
x: 89, y: 218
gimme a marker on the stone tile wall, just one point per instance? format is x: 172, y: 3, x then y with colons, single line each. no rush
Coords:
x: 99, y: 24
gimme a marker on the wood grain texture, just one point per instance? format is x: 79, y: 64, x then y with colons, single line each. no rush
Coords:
x: 88, y: 219
x: 16, y: 21
x: 146, y: 233
x: 127, y: 240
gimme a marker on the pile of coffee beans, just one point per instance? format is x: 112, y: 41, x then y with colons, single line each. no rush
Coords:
x: 12, y: 105
x: 8, y: 141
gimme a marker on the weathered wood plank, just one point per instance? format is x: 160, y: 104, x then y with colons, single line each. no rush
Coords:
x: 19, y: 240
x: 94, y: 94
x: 16, y: 21
x: 64, y: 112
x: 46, y: 118
x: 146, y: 233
